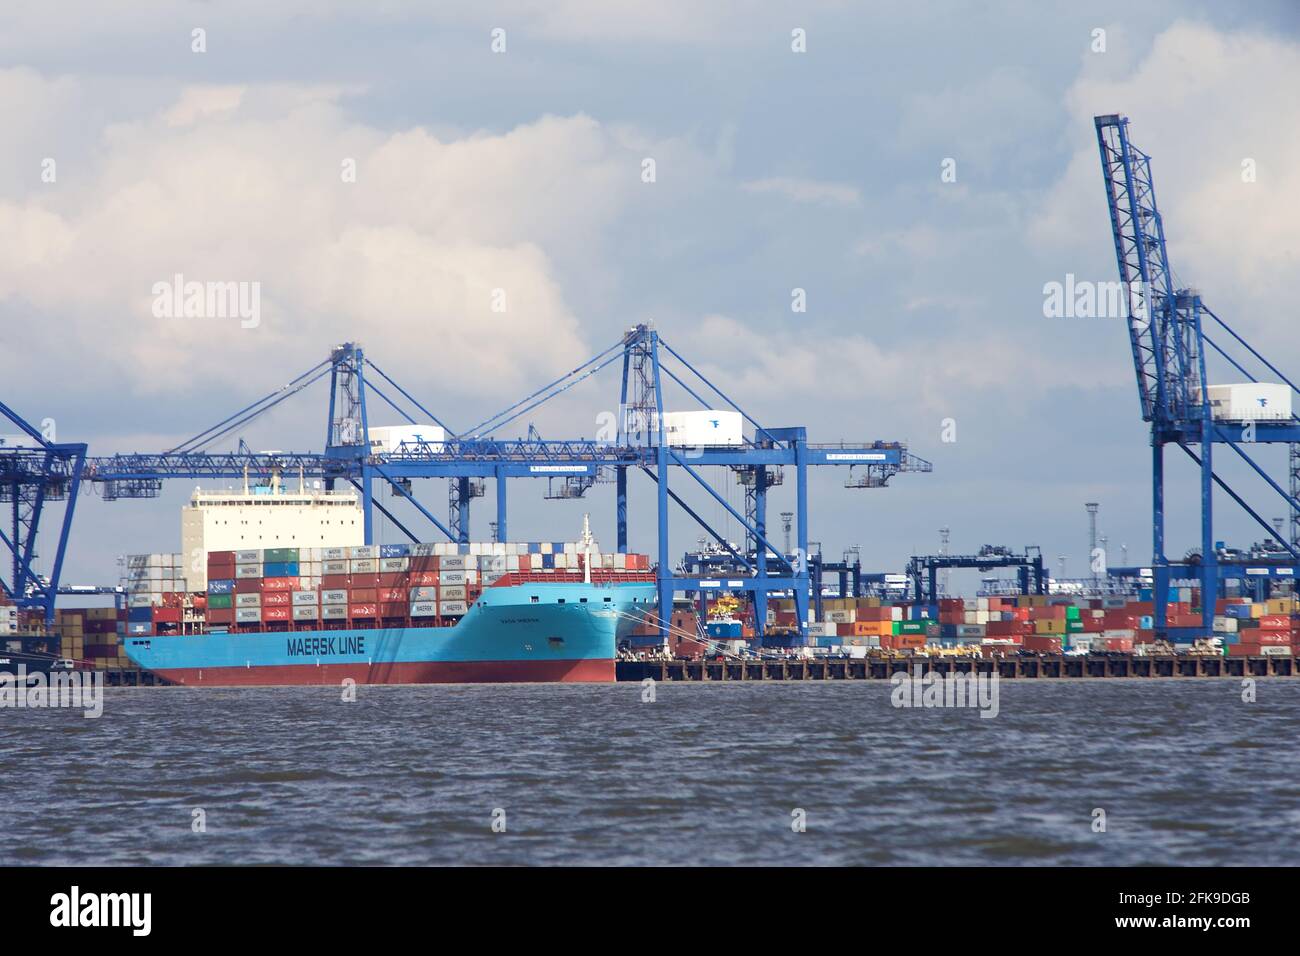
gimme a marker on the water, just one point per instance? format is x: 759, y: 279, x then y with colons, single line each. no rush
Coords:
x: 707, y: 774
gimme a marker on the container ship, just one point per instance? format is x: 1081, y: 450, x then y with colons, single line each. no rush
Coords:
x: 524, y: 627
x: 375, y: 614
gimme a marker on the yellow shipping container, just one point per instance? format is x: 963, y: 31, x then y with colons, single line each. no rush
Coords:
x: 1049, y: 626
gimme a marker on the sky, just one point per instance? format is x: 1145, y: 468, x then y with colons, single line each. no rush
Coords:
x: 391, y: 174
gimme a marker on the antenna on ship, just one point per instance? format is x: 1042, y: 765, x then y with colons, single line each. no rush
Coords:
x: 586, y: 548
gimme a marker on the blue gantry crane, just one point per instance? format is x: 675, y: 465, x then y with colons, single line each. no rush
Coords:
x: 35, y: 471
x: 631, y: 440
x: 1167, y: 331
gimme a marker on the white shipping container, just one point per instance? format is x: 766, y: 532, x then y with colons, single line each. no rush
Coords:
x: 301, y: 598
x: 248, y: 570
x: 453, y: 562
x: 339, y: 596
x: 424, y: 609
x: 361, y: 551
x: 452, y: 608
x: 252, y: 556
x: 302, y: 612
x: 392, y: 565
x: 363, y: 566
x: 1250, y: 401
x: 333, y: 554
x: 451, y: 577
x: 248, y: 615
x: 248, y: 600
x: 704, y: 428
x: 452, y: 592
x: 333, y: 611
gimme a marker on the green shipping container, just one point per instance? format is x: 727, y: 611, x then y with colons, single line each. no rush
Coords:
x: 1071, y: 613
x: 1073, y: 627
x: 911, y: 627
x: 278, y: 555
x: 220, y: 601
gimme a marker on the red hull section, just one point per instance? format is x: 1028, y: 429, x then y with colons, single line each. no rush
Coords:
x: 423, y: 672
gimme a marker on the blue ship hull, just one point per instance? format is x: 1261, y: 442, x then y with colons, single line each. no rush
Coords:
x: 524, y: 632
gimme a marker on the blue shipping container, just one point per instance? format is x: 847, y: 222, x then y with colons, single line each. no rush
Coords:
x: 280, y: 569
x: 394, y: 551
x: 221, y: 587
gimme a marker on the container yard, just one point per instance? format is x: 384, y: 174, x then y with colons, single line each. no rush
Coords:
x: 290, y: 550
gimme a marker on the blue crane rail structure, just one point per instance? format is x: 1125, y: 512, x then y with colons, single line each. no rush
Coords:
x: 1167, y: 332
x: 632, y: 440
x: 35, y: 471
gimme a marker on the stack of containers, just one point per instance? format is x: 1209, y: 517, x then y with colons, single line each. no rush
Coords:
x: 1264, y: 628
x: 93, y: 635
x: 155, y: 593
x: 373, y: 585
x: 8, y: 615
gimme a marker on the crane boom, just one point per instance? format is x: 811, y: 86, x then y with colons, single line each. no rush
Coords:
x: 1163, y: 321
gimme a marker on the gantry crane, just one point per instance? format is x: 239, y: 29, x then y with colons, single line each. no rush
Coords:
x: 1166, y: 326
x: 635, y: 442
x: 35, y: 471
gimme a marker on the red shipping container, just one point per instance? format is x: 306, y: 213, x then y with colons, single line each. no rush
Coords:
x: 425, y: 563
x: 364, y: 581
x: 221, y: 557
x: 394, y: 608
x: 248, y: 585
x: 276, y: 612
x: 388, y: 595
x: 1119, y: 643
x: 423, y: 579
x: 1243, y: 650
x: 363, y: 595
x: 526, y: 562
x: 335, y: 582
x: 1275, y: 622
x: 392, y: 579
x: 361, y: 610
x: 221, y: 615
x: 1042, y: 643
x: 276, y: 598
x: 172, y: 614
x: 279, y: 584
x: 1266, y: 637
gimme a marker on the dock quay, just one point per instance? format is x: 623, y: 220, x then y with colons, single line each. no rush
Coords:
x: 1011, y: 668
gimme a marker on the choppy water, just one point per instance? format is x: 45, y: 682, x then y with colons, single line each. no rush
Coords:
x: 707, y: 774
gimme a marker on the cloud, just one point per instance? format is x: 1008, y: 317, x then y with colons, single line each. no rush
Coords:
x: 807, y: 190
x: 1201, y: 103
x: 247, y: 184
